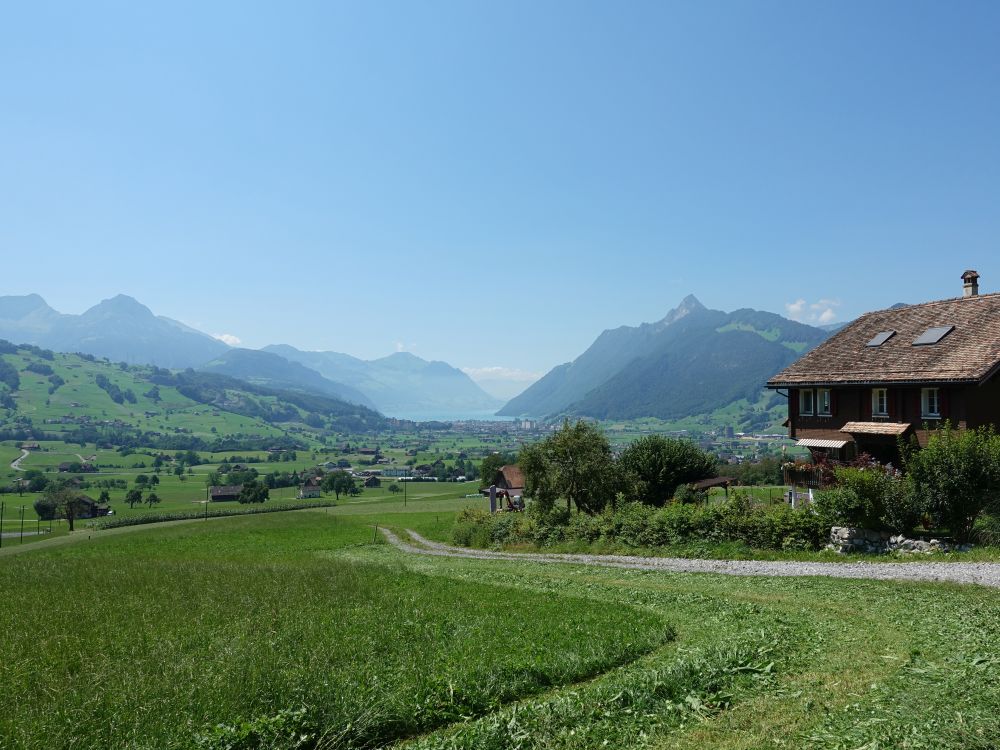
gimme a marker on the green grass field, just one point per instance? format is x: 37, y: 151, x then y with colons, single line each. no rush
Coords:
x: 305, y: 630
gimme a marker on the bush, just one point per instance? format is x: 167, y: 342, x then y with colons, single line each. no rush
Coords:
x: 872, y: 498
x: 640, y: 526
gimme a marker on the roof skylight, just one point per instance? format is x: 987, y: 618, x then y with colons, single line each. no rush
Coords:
x: 932, y: 335
x: 881, y: 338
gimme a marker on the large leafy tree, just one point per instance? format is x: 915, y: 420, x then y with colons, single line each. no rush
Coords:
x: 339, y: 483
x: 653, y: 467
x: 957, y: 475
x: 253, y: 492
x: 574, y: 464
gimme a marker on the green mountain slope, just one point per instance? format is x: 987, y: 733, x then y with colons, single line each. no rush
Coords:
x: 70, y: 396
x: 271, y: 370
x: 609, y: 353
x: 690, y: 363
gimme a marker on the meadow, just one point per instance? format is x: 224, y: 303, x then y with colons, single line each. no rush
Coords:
x: 304, y: 629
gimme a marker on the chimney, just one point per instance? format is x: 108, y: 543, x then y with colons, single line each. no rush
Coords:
x: 970, y: 285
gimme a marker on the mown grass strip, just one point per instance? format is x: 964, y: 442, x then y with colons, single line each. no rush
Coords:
x: 206, y: 634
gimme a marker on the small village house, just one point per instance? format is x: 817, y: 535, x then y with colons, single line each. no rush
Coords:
x: 226, y: 492
x: 898, y: 373
x: 310, y: 489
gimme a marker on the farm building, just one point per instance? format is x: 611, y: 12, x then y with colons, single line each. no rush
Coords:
x: 225, y: 492
x: 509, y: 478
x: 898, y: 373
x: 310, y: 489
x: 373, y: 481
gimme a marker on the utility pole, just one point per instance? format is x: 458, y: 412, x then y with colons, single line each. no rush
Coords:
x: 22, y: 526
x: 1, y: 524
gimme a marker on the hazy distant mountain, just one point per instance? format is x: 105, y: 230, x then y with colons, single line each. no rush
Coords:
x: 693, y: 361
x: 120, y: 328
x: 612, y: 350
x: 400, y: 383
x: 273, y: 371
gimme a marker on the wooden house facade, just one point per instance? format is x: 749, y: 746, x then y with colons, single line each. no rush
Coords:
x: 895, y: 373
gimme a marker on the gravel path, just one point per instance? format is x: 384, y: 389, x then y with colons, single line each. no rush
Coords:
x: 984, y: 574
x: 16, y: 463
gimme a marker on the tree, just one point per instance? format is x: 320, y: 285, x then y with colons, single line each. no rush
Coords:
x: 66, y: 502
x: 575, y: 464
x: 253, y: 492
x: 104, y: 498
x: 339, y: 483
x: 957, y: 476
x: 133, y: 497
x: 394, y: 488
x: 141, y: 480
x: 654, y: 467
x: 152, y: 499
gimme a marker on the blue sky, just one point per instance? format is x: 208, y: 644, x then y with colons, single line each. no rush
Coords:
x: 493, y: 184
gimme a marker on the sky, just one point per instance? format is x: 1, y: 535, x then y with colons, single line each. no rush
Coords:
x: 494, y: 183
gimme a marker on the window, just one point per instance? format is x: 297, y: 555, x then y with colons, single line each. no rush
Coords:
x: 807, y: 402
x: 880, y: 338
x: 930, y: 402
x: 880, y: 402
x: 932, y: 335
x: 823, y: 402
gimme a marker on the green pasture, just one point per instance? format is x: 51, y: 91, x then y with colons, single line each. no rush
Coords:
x: 166, y: 646
x: 306, y: 630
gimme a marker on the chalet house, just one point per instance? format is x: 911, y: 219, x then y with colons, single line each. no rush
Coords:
x: 509, y: 478
x: 225, y: 492
x: 373, y: 481
x: 310, y: 489
x: 88, y: 507
x: 897, y: 373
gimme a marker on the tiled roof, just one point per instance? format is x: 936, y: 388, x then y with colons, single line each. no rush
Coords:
x: 970, y: 353
x: 876, y: 428
x: 512, y: 476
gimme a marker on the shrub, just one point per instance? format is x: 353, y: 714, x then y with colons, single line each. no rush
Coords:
x: 958, y: 475
x: 637, y: 525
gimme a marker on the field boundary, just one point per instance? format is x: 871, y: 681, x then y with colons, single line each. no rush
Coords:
x: 983, y: 574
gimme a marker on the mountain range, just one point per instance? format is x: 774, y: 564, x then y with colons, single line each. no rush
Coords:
x: 124, y: 330
x: 120, y: 328
x: 399, y: 383
x: 693, y: 361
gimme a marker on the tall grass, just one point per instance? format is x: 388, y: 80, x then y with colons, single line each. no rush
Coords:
x: 251, y: 629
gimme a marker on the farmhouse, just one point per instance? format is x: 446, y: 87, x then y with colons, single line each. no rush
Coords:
x: 310, y: 488
x: 897, y: 373
x: 225, y: 492
x: 509, y: 478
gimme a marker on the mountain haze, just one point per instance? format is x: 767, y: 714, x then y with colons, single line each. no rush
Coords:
x: 692, y: 361
x: 120, y: 328
x: 273, y: 371
x: 399, y: 383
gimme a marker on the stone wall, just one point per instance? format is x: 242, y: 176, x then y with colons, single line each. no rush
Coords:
x: 845, y: 539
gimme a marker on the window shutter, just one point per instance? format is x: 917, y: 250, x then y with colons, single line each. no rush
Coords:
x: 833, y: 402
x: 917, y: 406
x: 943, y: 402
x: 890, y: 402
x: 866, y: 404
x: 793, y: 403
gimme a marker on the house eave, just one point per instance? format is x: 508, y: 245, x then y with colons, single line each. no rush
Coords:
x: 774, y: 385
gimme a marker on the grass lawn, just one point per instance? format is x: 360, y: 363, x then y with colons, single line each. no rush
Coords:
x: 259, y: 631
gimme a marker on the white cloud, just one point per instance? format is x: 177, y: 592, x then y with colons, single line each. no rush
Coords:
x: 400, y: 346
x: 821, y: 311
x: 501, y: 373
x: 228, y: 338
x: 795, y: 309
